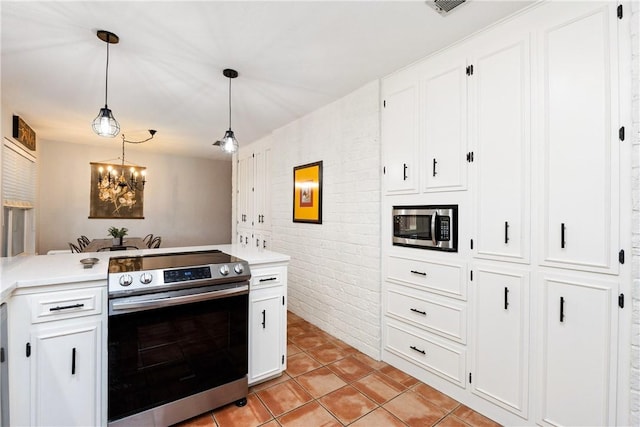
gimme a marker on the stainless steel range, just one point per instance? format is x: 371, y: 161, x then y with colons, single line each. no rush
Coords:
x: 178, y: 336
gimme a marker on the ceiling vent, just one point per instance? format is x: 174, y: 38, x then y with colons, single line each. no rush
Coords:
x: 444, y: 7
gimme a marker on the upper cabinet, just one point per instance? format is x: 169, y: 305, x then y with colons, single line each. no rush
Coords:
x: 500, y: 111
x: 444, y: 124
x: 579, y: 138
x: 400, y: 135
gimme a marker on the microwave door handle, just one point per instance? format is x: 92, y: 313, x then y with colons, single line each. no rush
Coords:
x: 433, y: 228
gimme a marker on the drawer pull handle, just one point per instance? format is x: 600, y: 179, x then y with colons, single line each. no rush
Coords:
x: 421, y: 273
x: 561, y: 309
x: 268, y: 280
x: 66, y: 307
x: 506, y: 232
x: 415, y: 310
x: 414, y: 348
x: 562, y: 235
x: 264, y: 319
x: 73, y: 361
x: 506, y: 298
x: 405, y: 172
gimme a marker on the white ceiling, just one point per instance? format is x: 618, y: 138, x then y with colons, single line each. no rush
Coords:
x: 166, y: 73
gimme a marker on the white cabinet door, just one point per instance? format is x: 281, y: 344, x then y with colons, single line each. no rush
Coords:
x: 65, y: 377
x: 500, y: 337
x: 580, y: 127
x: 578, y: 351
x: 244, y: 192
x: 262, y: 184
x: 265, y: 334
x: 400, y: 137
x: 501, y: 110
x: 444, y: 125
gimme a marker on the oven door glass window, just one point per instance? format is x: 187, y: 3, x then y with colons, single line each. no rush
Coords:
x: 415, y: 227
x: 161, y: 355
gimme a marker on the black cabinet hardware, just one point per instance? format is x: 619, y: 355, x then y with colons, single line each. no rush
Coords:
x: 73, y: 361
x: 621, y: 133
x: 506, y: 232
x: 506, y: 297
x: 562, y: 231
x: 435, y: 162
x: 471, y: 244
x: 269, y: 279
x: 257, y: 243
x: 469, y: 377
x: 66, y: 307
x: 470, y: 70
x: 246, y: 240
x: 621, y: 300
x: 28, y: 349
x: 561, y: 309
x: 424, y: 313
x: 470, y: 156
x: 405, y: 171
x: 619, y: 11
x: 2, y: 356
x: 414, y: 348
x: 264, y: 244
x: 621, y: 256
x: 421, y: 273
x: 264, y: 319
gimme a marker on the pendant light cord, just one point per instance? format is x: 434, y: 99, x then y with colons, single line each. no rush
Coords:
x: 106, y: 73
x: 229, y: 103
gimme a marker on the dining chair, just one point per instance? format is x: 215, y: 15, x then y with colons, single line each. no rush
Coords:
x: 74, y: 248
x: 155, y: 242
x: 147, y: 239
x: 81, y: 244
x: 84, y: 239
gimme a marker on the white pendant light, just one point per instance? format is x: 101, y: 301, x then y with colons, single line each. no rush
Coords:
x: 105, y: 124
x: 229, y: 143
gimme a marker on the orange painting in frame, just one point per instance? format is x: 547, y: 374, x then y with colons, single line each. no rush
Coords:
x: 307, y: 193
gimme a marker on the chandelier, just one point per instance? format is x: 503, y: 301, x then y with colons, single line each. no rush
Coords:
x: 119, y: 185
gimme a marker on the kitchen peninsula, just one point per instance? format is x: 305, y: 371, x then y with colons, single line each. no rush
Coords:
x: 71, y: 389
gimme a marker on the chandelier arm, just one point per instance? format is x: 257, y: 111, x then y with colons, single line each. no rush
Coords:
x: 229, y: 103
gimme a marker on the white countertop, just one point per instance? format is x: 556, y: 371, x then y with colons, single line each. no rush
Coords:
x: 40, y: 270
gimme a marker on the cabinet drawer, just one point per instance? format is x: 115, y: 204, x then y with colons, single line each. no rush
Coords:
x: 265, y: 277
x: 444, y: 279
x: 443, y: 359
x: 441, y: 317
x: 66, y: 304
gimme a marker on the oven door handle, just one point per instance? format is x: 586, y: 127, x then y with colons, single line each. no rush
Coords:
x: 184, y: 299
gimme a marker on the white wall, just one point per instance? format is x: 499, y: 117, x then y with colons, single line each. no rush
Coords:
x: 334, y: 274
x: 187, y: 200
x: 635, y: 337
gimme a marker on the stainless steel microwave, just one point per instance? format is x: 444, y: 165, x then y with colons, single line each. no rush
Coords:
x: 432, y: 227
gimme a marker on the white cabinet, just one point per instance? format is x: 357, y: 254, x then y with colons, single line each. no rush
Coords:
x: 578, y: 350
x: 500, y: 336
x: 579, y: 115
x: 253, y: 209
x: 501, y: 136
x: 267, y: 323
x: 400, y: 135
x: 444, y: 123
x: 56, y: 352
x: 65, y: 369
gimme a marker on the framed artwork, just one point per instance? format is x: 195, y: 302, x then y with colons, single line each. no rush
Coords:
x: 307, y: 193
x: 115, y: 192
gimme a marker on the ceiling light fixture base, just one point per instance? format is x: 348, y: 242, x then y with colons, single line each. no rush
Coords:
x: 230, y: 73
x: 108, y: 37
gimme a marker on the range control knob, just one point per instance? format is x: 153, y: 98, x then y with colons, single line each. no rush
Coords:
x: 125, y: 280
x: 224, y: 269
x: 146, y: 278
x: 238, y: 268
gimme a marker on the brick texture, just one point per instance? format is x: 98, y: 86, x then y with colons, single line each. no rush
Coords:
x: 334, y: 273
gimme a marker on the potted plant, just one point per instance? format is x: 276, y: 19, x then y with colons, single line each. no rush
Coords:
x: 117, y: 234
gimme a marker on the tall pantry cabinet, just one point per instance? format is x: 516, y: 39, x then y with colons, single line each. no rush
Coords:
x: 253, y: 211
x: 520, y: 126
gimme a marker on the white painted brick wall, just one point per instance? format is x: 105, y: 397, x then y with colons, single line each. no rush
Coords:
x: 334, y: 274
x: 635, y: 329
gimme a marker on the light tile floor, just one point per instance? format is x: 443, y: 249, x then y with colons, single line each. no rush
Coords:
x: 329, y: 383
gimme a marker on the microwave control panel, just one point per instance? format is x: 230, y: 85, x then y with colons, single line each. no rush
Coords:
x: 443, y: 227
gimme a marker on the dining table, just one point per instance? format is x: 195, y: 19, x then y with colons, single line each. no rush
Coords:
x: 107, y: 244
